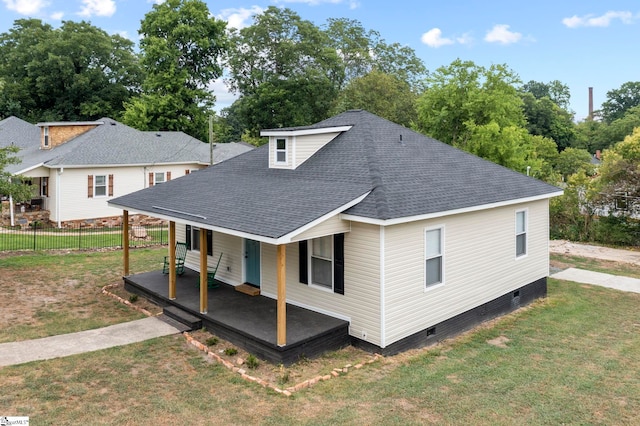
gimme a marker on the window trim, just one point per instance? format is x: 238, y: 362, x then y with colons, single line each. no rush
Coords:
x: 525, y: 212
x: 193, y: 234
x: 155, y: 178
x: 310, y: 257
x: 441, y: 255
x: 284, y: 151
x: 95, y: 186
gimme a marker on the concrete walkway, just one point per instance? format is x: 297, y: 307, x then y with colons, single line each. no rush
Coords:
x: 598, y: 278
x: 13, y: 353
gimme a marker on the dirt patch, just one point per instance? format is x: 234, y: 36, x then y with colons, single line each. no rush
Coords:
x: 595, y: 252
x: 302, y: 374
x: 500, y: 341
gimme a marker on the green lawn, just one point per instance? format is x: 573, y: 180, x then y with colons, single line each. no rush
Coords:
x: 573, y: 358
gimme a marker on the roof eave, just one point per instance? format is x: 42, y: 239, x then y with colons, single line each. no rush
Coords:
x: 303, y: 132
x: 407, y: 219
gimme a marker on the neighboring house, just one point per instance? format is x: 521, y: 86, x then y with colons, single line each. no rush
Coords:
x: 76, y: 167
x: 408, y: 239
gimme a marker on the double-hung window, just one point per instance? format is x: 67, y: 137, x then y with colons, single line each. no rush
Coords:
x: 99, y: 185
x: 45, y: 134
x: 434, y: 257
x: 322, y: 262
x: 521, y: 233
x: 281, y: 150
x: 193, y: 239
x: 159, y: 177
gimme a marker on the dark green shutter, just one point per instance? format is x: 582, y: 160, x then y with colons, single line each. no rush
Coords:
x: 338, y: 263
x: 304, y: 262
x: 189, y: 237
x: 209, y: 242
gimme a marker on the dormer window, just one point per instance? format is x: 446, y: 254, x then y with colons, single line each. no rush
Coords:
x: 45, y: 133
x: 281, y: 150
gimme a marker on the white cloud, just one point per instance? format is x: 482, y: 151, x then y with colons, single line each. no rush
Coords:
x: 433, y: 38
x: 57, y: 16
x: 97, y: 8
x: 598, y: 21
x: 501, y: 34
x: 26, y: 7
x: 239, y: 17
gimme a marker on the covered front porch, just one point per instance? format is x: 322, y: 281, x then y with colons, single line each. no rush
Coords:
x: 249, y: 322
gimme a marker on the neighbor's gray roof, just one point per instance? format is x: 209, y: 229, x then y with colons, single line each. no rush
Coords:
x: 111, y: 144
x: 407, y: 173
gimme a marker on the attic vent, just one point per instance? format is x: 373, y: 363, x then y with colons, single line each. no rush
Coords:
x: 113, y: 123
x: 400, y: 138
x: 158, y: 134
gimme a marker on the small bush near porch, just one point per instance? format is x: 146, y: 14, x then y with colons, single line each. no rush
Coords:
x: 570, y: 359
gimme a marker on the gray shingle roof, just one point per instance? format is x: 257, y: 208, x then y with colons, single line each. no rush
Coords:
x: 407, y: 173
x: 110, y: 144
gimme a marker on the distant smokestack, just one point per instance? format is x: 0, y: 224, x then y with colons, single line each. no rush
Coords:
x: 590, y: 103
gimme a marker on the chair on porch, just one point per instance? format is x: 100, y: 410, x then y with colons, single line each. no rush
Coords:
x: 181, y: 253
x: 211, y: 275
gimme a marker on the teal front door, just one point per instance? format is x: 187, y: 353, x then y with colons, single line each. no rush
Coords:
x: 252, y: 262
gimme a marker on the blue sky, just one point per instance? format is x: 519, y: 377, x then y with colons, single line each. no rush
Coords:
x: 583, y: 44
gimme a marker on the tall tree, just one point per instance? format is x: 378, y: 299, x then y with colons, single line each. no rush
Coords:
x: 382, y: 94
x: 546, y: 118
x: 284, y: 69
x: 75, y: 72
x: 620, y: 100
x: 182, y: 46
x: 362, y: 51
x: 555, y: 90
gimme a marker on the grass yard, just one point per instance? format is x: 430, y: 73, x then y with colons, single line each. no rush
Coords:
x: 573, y: 358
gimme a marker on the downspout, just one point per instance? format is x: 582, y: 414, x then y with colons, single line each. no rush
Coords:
x: 60, y: 171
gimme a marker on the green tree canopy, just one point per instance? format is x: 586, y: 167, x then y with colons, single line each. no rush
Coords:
x: 182, y: 46
x: 362, y: 51
x: 381, y: 94
x: 285, y: 70
x: 546, y: 118
x: 619, y: 101
x: 619, y: 173
x: 75, y: 72
x: 479, y: 110
x: 555, y: 90
x: 10, y: 185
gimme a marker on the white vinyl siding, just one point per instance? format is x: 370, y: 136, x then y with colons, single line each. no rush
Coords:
x: 298, y: 149
x: 74, y: 203
x: 333, y: 225
x: 230, y: 269
x: 361, y: 300
x: 480, y: 265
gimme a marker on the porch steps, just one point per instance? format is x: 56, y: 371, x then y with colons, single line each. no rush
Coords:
x: 248, y: 289
x: 177, y: 314
x: 175, y: 323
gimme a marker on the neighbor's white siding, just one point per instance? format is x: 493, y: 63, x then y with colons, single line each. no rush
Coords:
x: 361, y: 300
x: 479, y: 265
x: 74, y: 201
